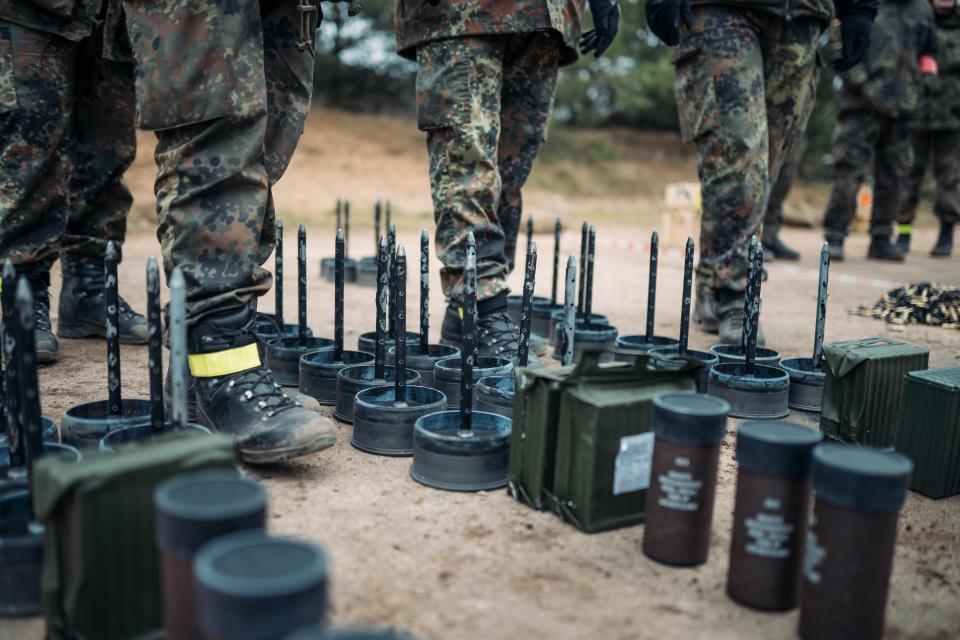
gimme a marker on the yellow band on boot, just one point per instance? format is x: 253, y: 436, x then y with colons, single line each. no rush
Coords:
x: 223, y: 363
x: 905, y: 229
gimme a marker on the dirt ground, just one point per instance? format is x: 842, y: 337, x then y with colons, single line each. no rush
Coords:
x: 481, y: 566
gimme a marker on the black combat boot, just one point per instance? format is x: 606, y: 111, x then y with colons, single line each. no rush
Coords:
x: 269, y: 425
x: 882, y: 249
x: 705, y: 311
x: 731, y: 329
x: 48, y: 349
x: 497, y: 335
x: 903, y: 242
x: 82, y: 304
x: 835, y: 246
x: 944, y: 246
x: 779, y: 250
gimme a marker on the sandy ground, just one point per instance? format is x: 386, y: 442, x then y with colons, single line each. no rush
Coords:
x: 481, y: 566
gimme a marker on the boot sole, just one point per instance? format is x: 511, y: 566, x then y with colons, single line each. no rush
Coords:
x: 47, y: 357
x: 95, y: 332
x: 708, y: 327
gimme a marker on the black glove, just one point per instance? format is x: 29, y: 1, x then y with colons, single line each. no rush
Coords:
x: 855, y: 29
x: 606, y: 22
x: 664, y: 17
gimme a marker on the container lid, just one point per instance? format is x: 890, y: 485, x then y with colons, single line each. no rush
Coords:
x: 947, y: 377
x: 194, y: 508
x: 690, y: 418
x: 318, y: 632
x: 860, y: 477
x: 251, y: 585
x: 776, y: 448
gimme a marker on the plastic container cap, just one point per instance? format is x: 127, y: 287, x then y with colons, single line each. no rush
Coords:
x: 194, y: 508
x: 776, y: 448
x: 318, y: 632
x: 690, y: 418
x: 251, y: 586
x: 860, y: 477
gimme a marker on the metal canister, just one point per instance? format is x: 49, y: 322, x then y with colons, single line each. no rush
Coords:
x: 688, y: 429
x: 849, y: 556
x: 191, y: 510
x: 770, y: 513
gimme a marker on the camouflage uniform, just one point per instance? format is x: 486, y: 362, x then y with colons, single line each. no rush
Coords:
x: 485, y: 88
x: 879, y: 98
x: 66, y: 116
x: 936, y: 130
x: 773, y: 218
x: 226, y: 127
x: 745, y: 88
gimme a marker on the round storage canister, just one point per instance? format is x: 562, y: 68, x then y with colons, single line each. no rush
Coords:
x: 770, y: 513
x: 190, y: 510
x: 688, y: 429
x: 318, y: 632
x: 859, y: 492
x: 251, y: 586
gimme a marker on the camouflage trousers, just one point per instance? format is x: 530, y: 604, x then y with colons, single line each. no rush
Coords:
x: 944, y: 147
x: 861, y: 137
x: 745, y: 88
x: 484, y: 102
x: 226, y: 127
x: 780, y: 187
x: 67, y: 123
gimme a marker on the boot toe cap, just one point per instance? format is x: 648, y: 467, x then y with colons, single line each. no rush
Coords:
x: 299, y: 432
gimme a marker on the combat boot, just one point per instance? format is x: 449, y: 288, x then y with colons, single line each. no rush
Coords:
x: 835, y: 246
x: 705, y: 311
x: 944, y: 246
x: 236, y: 394
x: 48, y: 348
x: 882, y: 249
x: 779, y: 250
x: 731, y: 329
x: 497, y: 335
x: 903, y: 242
x: 83, y: 304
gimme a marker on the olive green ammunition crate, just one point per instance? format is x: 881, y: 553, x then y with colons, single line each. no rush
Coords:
x: 863, y: 390
x: 929, y: 430
x: 533, y: 440
x: 101, y: 572
x: 604, y: 443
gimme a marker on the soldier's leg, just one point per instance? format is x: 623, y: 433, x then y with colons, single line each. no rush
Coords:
x: 780, y: 188
x: 913, y: 182
x: 853, y: 144
x: 289, y: 77
x: 103, y: 146
x: 529, y: 87
x: 458, y: 103
x: 720, y: 98
x: 36, y: 101
x: 946, y: 167
x: 210, y: 114
x: 894, y: 158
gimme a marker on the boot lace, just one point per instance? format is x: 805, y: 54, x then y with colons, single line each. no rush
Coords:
x: 41, y: 309
x: 498, y: 335
x: 257, y: 386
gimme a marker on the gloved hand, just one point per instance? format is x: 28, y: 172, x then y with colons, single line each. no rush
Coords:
x: 664, y: 17
x: 606, y: 23
x: 855, y: 29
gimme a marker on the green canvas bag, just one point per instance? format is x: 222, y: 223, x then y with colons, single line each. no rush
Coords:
x: 864, y: 386
x: 101, y: 575
x: 604, y: 442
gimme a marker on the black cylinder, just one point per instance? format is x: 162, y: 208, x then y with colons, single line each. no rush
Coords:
x: 770, y: 513
x: 495, y: 395
x: 319, y: 369
x: 143, y: 433
x: 446, y: 457
x: 556, y: 322
x: 367, y: 342
x: 424, y: 363
x: 383, y: 426
x: 353, y: 380
x: 446, y: 375
x: 734, y: 354
x: 251, y: 586
x: 191, y: 510
x: 849, y: 557
x: 662, y: 359
x: 283, y: 357
x: 688, y: 429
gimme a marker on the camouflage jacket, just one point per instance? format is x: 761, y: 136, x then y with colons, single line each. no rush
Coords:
x: 70, y: 19
x: 823, y: 10
x: 888, y: 81
x: 940, y: 110
x: 418, y: 22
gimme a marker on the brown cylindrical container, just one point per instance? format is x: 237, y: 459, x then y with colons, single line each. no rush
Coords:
x: 859, y: 492
x: 192, y: 509
x: 688, y: 429
x: 770, y: 513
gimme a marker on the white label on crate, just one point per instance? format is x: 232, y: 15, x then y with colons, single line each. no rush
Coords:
x: 631, y: 471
